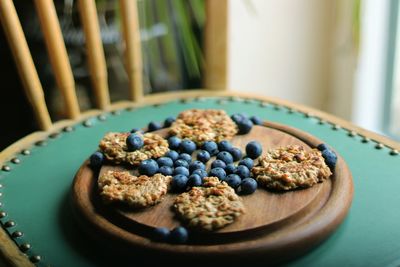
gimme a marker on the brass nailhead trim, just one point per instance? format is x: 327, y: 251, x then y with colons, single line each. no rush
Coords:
x: 26, y: 152
x: 102, y: 117
x: 394, y: 152
x: 87, y: 123
x: 352, y: 133
x: 3, y: 214
x: 68, y: 129
x: 264, y: 104
x: 222, y: 101
x: 115, y: 112
x: 16, y: 161
x: 379, y: 146
x: 9, y: 224
x: 41, y: 143
x: 277, y: 107
x: 290, y: 111
x: 54, y: 135
x: 321, y: 121
x: 336, y: 127
x: 25, y: 247
x: 6, y: 168
x: 35, y: 258
x: 17, y: 234
x: 365, y: 139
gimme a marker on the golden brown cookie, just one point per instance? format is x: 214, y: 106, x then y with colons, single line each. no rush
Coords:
x: 136, y: 191
x: 201, y: 125
x: 210, y: 207
x: 291, y: 167
x: 113, y: 146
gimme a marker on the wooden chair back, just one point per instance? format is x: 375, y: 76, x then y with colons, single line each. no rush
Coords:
x: 215, y: 53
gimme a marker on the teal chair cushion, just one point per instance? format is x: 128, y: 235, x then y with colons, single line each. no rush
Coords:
x: 35, y: 192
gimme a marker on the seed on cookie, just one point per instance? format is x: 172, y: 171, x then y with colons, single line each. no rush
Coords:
x: 136, y: 191
x: 210, y: 207
x: 291, y: 167
x: 204, y: 125
x: 114, y: 147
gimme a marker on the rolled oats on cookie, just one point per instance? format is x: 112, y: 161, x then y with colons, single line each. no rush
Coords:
x: 210, y: 207
x: 201, y: 125
x: 291, y: 167
x: 113, y: 146
x: 136, y: 191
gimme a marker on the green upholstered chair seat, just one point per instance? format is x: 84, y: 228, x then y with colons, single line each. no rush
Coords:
x: 35, y: 192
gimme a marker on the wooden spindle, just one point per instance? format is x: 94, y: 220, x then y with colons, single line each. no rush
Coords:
x: 23, y: 59
x: 58, y: 55
x: 133, y: 53
x: 95, y: 52
x: 216, y: 45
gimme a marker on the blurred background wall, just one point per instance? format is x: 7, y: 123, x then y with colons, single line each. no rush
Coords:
x: 338, y: 56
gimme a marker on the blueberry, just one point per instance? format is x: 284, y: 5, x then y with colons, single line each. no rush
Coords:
x: 202, y: 173
x: 186, y: 157
x: 166, y: 170
x: 168, y: 121
x: 196, y: 165
x: 238, y: 117
x: 160, y: 234
x: 242, y: 171
x: 322, y: 147
x: 181, y: 162
x: 148, y: 167
x: 236, y: 153
x: 248, y: 162
x: 165, y: 161
x: 181, y: 170
x: 203, y: 156
x: 174, y: 142
x: 96, y: 159
x: 230, y: 168
x: 153, y: 126
x: 224, y: 146
x: 256, y: 120
x: 194, y: 180
x: 225, y: 157
x: 187, y: 146
x: 134, y: 142
x: 179, y: 182
x: 253, y: 149
x: 211, y: 147
x: 245, y: 126
x: 233, y: 180
x: 172, y: 154
x: 330, y: 158
x: 178, y: 235
x: 134, y: 130
x: 218, y: 164
x: 248, y: 186
x: 218, y: 172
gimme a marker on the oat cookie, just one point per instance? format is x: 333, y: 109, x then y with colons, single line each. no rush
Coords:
x: 113, y: 146
x: 201, y: 125
x: 291, y: 167
x: 136, y: 191
x: 210, y: 207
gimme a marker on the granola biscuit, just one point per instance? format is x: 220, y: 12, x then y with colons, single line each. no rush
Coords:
x: 136, y: 191
x: 201, y: 125
x: 291, y: 167
x: 210, y: 207
x: 113, y: 146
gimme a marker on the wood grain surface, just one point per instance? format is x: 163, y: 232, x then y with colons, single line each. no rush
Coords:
x: 273, y: 223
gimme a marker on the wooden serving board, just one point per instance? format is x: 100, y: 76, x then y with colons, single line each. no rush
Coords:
x: 273, y: 224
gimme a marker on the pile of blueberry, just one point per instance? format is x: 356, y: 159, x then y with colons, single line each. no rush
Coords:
x: 329, y: 156
x: 178, y: 235
x: 229, y: 164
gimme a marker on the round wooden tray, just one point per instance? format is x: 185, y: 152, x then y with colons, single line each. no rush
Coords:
x: 276, y: 226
